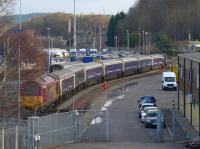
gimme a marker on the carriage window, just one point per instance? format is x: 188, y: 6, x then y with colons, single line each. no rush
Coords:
x: 30, y: 89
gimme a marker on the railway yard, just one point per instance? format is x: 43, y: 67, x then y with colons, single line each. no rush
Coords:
x: 125, y: 128
x: 106, y: 116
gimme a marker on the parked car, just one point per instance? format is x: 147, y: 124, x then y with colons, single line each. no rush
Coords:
x: 143, y: 106
x: 151, y: 118
x: 146, y: 99
x: 143, y: 113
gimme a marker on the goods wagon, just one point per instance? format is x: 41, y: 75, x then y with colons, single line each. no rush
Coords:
x: 130, y: 65
x: 66, y: 82
x: 112, y: 68
x: 68, y: 78
x: 93, y: 73
x: 158, y: 61
x: 78, y: 71
x: 145, y: 63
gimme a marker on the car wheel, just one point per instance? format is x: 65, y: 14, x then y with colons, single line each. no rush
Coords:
x: 163, y: 88
x: 146, y: 125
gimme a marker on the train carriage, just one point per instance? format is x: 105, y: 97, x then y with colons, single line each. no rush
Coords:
x: 66, y: 82
x: 145, y: 63
x: 78, y: 71
x: 130, y: 65
x: 39, y: 92
x: 157, y: 61
x: 93, y: 73
x: 112, y: 68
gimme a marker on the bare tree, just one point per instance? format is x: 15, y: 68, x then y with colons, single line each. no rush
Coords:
x: 6, y: 8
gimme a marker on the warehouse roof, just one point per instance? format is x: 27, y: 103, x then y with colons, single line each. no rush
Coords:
x: 192, y: 56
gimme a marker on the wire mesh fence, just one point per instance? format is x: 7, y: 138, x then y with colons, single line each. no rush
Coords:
x: 92, y: 125
x: 53, y: 130
x: 61, y: 128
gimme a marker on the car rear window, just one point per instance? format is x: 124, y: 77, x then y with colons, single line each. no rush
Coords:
x: 152, y: 114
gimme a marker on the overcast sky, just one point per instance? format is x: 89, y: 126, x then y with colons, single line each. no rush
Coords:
x: 82, y: 6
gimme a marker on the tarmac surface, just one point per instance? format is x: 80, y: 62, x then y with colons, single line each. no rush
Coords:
x: 124, y: 127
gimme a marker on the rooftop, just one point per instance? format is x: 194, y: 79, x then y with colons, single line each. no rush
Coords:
x: 192, y: 56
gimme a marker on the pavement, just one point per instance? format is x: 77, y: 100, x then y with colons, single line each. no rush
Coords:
x: 189, y: 131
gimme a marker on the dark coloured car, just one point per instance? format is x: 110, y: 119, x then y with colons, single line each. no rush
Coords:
x: 147, y: 99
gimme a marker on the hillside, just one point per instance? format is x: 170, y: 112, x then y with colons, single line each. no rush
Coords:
x: 25, y: 17
x: 61, y: 28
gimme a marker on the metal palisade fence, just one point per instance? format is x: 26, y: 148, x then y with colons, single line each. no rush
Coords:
x: 13, y: 134
x: 54, y: 130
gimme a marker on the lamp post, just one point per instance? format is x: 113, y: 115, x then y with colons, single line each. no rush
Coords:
x: 128, y: 41
x: 19, y: 67
x: 49, y: 55
x: 100, y: 46
x: 73, y: 102
x: 19, y: 79
x: 74, y: 24
x: 146, y: 46
x: 143, y: 42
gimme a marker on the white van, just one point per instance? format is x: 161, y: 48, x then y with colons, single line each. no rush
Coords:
x: 169, y: 80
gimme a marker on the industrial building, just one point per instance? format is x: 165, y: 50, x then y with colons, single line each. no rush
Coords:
x: 188, y: 92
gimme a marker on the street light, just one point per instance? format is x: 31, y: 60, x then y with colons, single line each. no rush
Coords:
x: 49, y: 59
x: 19, y: 79
x: 128, y: 41
x: 74, y: 24
x: 146, y: 46
x: 143, y: 42
x: 19, y: 69
x: 100, y: 40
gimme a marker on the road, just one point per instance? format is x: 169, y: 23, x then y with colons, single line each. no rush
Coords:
x: 125, y: 128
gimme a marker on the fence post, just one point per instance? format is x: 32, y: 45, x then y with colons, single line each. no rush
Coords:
x: 159, y: 125
x: 16, y: 136
x: 107, y: 125
x: 2, y: 133
x: 173, y: 120
x: 33, y: 131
